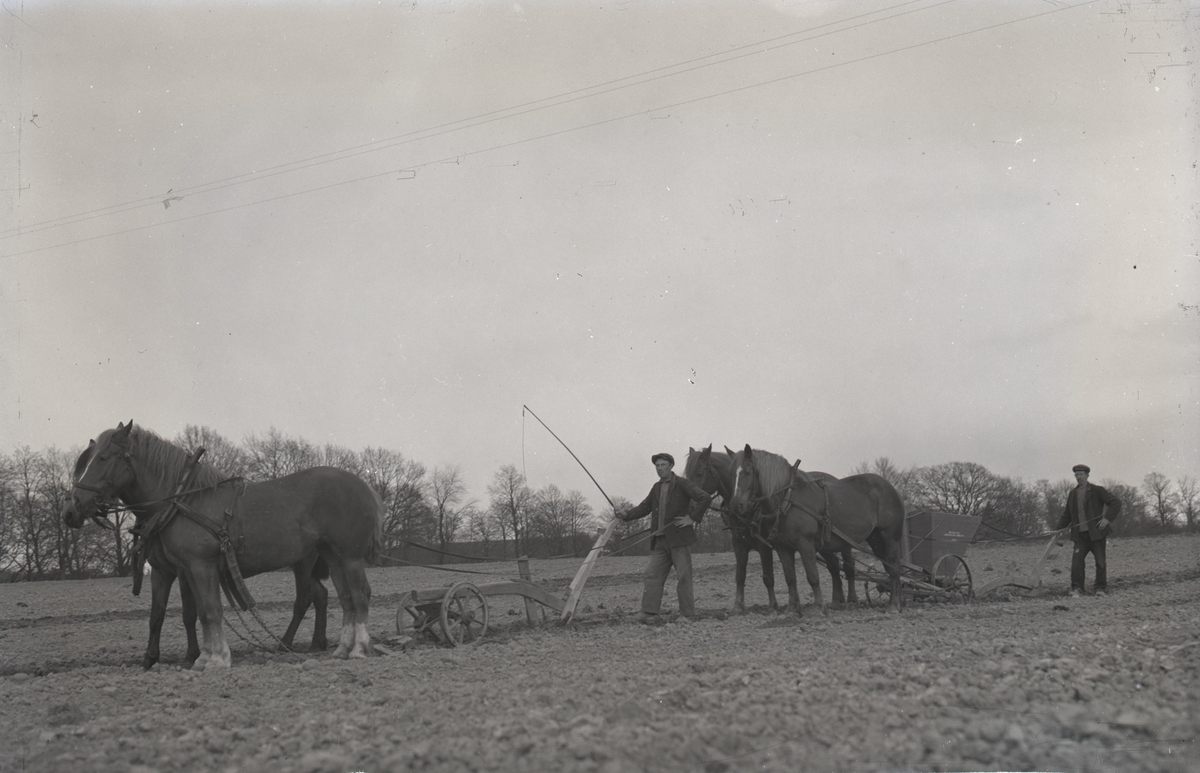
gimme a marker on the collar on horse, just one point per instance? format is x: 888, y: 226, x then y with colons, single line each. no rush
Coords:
x: 145, y: 532
x: 761, y: 511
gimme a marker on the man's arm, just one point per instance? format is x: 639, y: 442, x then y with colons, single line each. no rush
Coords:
x: 639, y: 511
x: 1112, y: 507
x: 699, y: 496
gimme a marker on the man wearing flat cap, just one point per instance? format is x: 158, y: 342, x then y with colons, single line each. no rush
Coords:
x: 1089, y: 513
x: 675, y: 506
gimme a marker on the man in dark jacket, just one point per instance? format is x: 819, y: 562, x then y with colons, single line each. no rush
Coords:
x: 1089, y: 512
x: 674, y: 531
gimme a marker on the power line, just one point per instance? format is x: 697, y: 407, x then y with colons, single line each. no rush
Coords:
x: 569, y: 130
x: 481, y: 119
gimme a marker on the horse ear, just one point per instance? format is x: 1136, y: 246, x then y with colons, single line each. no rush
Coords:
x: 707, y: 452
x: 748, y: 452
x: 691, y: 450
x: 730, y: 452
x: 123, y: 430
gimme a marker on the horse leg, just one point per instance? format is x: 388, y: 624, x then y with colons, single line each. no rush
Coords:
x: 835, y: 575
x: 892, y: 564
x: 768, y: 571
x: 848, y: 568
x: 741, y: 555
x: 808, y: 555
x: 160, y: 593
x: 355, y: 570
x: 302, y: 574
x: 888, y: 551
x: 187, y: 600
x: 787, y: 559
x: 354, y: 593
x: 206, y: 585
x: 321, y: 611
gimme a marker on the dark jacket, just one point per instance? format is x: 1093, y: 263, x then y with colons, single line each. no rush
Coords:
x: 1099, y: 504
x: 683, y: 495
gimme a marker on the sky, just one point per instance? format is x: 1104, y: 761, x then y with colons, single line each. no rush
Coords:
x: 929, y: 231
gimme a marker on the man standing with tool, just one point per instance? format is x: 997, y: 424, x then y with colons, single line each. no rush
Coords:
x: 1089, y: 513
x: 673, y: 534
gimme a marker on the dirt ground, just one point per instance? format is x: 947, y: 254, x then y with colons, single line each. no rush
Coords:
x: 1017, y: 680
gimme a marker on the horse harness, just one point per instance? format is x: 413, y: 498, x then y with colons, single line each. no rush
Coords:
x: 146, y: 532
x: 762, y: 502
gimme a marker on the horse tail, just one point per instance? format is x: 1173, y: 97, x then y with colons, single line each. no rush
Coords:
x: 375, y: 544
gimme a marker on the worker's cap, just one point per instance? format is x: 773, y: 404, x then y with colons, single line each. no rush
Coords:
x: 1081, y: 468
x: 670, y: 459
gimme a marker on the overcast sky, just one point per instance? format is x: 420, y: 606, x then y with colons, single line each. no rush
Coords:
x: 932, y: 231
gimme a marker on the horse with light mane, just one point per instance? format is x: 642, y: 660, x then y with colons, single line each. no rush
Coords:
x: 714, y: 474
x: 308, y: 573
x: 814, y: 514
x: 322, y: 511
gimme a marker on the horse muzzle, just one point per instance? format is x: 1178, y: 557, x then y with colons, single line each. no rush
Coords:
x: 71, y: 515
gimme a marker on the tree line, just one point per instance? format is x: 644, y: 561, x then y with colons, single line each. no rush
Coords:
x: 1011, y: 507
x: 431, y: 517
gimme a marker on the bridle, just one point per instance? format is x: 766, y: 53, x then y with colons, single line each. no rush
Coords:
x: 761, y: 502
x: 106, y: 500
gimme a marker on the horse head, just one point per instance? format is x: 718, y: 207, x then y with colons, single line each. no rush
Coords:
x: 747, y: 485
x: 102, y: 472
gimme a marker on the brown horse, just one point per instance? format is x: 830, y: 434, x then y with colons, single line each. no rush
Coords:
x: 818, y: 514
x: 324, y: 511
x: 310, y: 591
x: 714, y: 474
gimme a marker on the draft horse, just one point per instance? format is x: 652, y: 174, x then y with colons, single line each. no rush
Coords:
x: 308, y: 572
x: 323, y: 512
x: 714, y: 474
x: 816, y: 514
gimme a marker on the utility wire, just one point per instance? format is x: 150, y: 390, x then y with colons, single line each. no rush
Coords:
x: 513, y: 111
x: 570, y: 130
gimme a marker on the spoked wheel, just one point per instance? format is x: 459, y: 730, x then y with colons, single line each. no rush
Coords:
x: 953, y: 576
x: 409, y: 618
x: 464, y: 615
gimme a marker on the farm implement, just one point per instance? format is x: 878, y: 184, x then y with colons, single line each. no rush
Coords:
x: 458, y: 613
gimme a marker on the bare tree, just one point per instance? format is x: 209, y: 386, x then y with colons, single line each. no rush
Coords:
x: 481, y: 528
x: 275, y: 455
x: 510, y: 503
x: 54, y: 481
x: 904, y: 481
x: 1054, y: 499
x: 401, y: 485
x: 579, y: 519
x: 560, y: 518
x: 1188, y: 498
x: 343, y: 458
x: 1135, y: 517
x: 446, y: 493
x: 34, y: 535
x: 1162, y: 500
x: 957, y: 487
x: 220, y: 452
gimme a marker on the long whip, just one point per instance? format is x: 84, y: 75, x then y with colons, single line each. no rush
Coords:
x: 572, y: 453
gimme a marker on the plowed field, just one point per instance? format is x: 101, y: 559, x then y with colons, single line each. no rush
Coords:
x: 1017, y: 680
